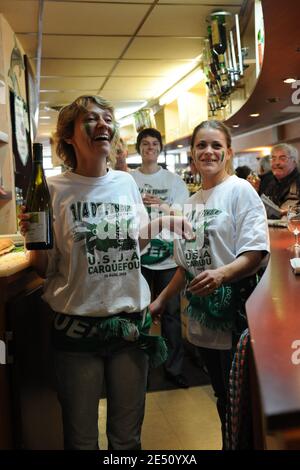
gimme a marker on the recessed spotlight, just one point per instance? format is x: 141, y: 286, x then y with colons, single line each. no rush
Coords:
x: 179, y: 146
x: 235, y: 125
x: 289, y: 80
x: 254, y: 115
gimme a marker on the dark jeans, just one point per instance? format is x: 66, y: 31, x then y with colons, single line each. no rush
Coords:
x: 218, y: 364
x: 170, y: 320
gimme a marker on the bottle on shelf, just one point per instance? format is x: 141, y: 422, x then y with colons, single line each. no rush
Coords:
x: 218, y: 32
x: 224, y: 77
x: 260, y: 47
x: 38, y: 205
x: 213, y: 57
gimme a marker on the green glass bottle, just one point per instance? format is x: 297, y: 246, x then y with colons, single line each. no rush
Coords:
x: 38, y: 205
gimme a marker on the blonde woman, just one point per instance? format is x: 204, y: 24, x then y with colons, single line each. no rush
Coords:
x: 94, y: 282
x: 219, y: 268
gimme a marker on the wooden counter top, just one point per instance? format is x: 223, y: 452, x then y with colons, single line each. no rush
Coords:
x: 12, y: 263
x: 273, y: 312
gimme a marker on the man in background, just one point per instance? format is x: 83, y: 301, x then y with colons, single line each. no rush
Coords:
x: 282, y: 184
x: 161, y: 190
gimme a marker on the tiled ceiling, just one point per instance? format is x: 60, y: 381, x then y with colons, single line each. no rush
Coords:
x: 130, y: 52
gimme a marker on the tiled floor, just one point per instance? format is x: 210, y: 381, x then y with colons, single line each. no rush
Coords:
x: 183, y: 419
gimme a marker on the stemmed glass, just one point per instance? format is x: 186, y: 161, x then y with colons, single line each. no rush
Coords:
x: 293, y: 220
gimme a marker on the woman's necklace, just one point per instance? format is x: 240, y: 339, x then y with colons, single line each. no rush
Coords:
x: 201, y: 194
x: 204, y: 200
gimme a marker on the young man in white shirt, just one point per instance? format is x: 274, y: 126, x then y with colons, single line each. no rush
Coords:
x: 161, y: 191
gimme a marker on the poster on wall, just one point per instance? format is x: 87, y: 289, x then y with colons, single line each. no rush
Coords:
x: 21, y: 129
x: 20, y: 141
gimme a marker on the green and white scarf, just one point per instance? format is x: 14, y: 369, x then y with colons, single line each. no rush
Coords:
x: 224, y: 308
x: 158, y: 251
x: 96, y: 333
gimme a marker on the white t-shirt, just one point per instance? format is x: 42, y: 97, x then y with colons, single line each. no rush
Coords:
x: 229, y: 220
x: 94, y: 268
x: 172, y: 190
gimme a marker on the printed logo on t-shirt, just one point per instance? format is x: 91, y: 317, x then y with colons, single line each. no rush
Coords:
x: 162, y: 193
x: 110, y: 234
x: 197, y: 252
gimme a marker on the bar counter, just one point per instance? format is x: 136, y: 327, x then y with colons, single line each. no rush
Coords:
x: 29, y: 411
x: 273, y: 312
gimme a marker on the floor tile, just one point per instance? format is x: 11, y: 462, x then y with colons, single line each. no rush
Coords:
x: 175, y: 420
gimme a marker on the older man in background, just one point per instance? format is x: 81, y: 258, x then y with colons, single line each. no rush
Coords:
x: 282, y: 184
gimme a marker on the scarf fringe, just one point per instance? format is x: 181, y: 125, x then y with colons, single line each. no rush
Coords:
x: 154, y: 346
x: 115, y: 327
x: 209, y: 321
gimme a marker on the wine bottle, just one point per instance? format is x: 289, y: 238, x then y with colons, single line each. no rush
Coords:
x: 260, y: 47
x: 212, y: 54
x: 223, y: 74
x: 38, y: 205
x: 218, y: 31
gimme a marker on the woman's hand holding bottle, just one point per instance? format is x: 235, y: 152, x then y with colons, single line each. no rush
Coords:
x: 23, y: 220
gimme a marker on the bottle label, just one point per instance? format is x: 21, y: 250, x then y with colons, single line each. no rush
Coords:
x: 37, y: 232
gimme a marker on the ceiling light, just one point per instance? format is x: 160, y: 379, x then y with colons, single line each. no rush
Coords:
x: 179, y: 146
x: 264, y: 151
x: 126, y: 121
x: 45, y: 117
x: 126, y: 109
x: 175, y: 75
x: 289, y: 80
x: 235, y: 125
x: 184, y: 85
x: 220, y: 13
x: 254, y: 115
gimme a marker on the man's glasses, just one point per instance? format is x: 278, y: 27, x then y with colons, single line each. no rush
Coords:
x: 280, y: 158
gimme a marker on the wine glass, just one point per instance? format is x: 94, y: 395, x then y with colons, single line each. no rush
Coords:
x: 293, y: 220
x: 254, y: 180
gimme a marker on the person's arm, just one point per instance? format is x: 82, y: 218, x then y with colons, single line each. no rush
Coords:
x: 283, y: 212
x: 175, y: 286
x: 207, y: 281
x: 179, y: 195
x: 39, y: 261
x: 175, y: 224
x: 150, y: 200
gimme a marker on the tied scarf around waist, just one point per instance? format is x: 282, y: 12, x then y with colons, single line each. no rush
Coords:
x: 96, y: 333
x: 224, y: 308
x: 158, y: 251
